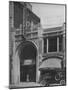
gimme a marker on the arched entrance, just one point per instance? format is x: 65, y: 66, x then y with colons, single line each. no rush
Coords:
x: 27, y: 54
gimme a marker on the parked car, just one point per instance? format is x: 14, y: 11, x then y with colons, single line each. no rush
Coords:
x: 49, y: 77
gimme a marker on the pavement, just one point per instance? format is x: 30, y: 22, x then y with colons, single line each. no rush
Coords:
x: 25, y: 85
x: 30, y: 85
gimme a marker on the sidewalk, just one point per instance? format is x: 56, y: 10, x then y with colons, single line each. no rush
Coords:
x: 25, y: 85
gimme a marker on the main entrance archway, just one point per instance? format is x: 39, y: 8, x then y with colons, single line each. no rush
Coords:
x: 27, y: 54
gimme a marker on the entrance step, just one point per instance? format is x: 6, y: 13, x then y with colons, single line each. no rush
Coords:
x: 25, y: 85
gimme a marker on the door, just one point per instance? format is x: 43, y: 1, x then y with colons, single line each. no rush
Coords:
x: 28, y: 55
x: 28, y: 73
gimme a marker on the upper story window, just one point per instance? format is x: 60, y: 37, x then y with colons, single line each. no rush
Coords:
x: 45, y: 45
x: 61, y: 43
x: 52, y: 44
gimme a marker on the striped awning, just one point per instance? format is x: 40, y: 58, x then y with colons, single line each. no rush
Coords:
x: 51, y: 63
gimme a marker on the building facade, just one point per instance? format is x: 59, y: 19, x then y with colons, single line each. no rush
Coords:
x: 53, y: 62
x: 33, y: 51
x: 24, y: 26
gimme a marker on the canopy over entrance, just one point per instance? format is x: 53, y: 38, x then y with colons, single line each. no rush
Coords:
x: 51, y: 63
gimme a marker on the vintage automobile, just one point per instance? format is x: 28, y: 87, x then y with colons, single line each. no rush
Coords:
x: 53, y: 77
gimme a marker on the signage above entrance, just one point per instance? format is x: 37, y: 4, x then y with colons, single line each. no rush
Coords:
x: 27, y: 62
x: 51, y: 63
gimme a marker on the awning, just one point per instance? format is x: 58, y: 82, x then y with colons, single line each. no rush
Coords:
x: 51, y: 63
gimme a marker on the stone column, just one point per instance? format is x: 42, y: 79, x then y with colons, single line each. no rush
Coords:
x: 16, y: 65
x: 64, y: 51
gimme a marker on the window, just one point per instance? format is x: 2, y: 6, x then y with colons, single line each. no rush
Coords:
x: 45, y: 45
x: 52, y: 44
x: 61, y: 43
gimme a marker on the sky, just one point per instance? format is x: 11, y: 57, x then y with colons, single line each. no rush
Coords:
x: 50, y: 15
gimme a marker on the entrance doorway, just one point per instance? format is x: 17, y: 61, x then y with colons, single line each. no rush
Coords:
x: 28, y: 63
x: 28, y: 73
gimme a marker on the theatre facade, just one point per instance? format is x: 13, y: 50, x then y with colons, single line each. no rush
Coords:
x: 33, y: 51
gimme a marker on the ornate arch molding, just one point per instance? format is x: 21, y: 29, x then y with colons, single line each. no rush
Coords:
x: 23, y: 44
x: 17, y: 58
